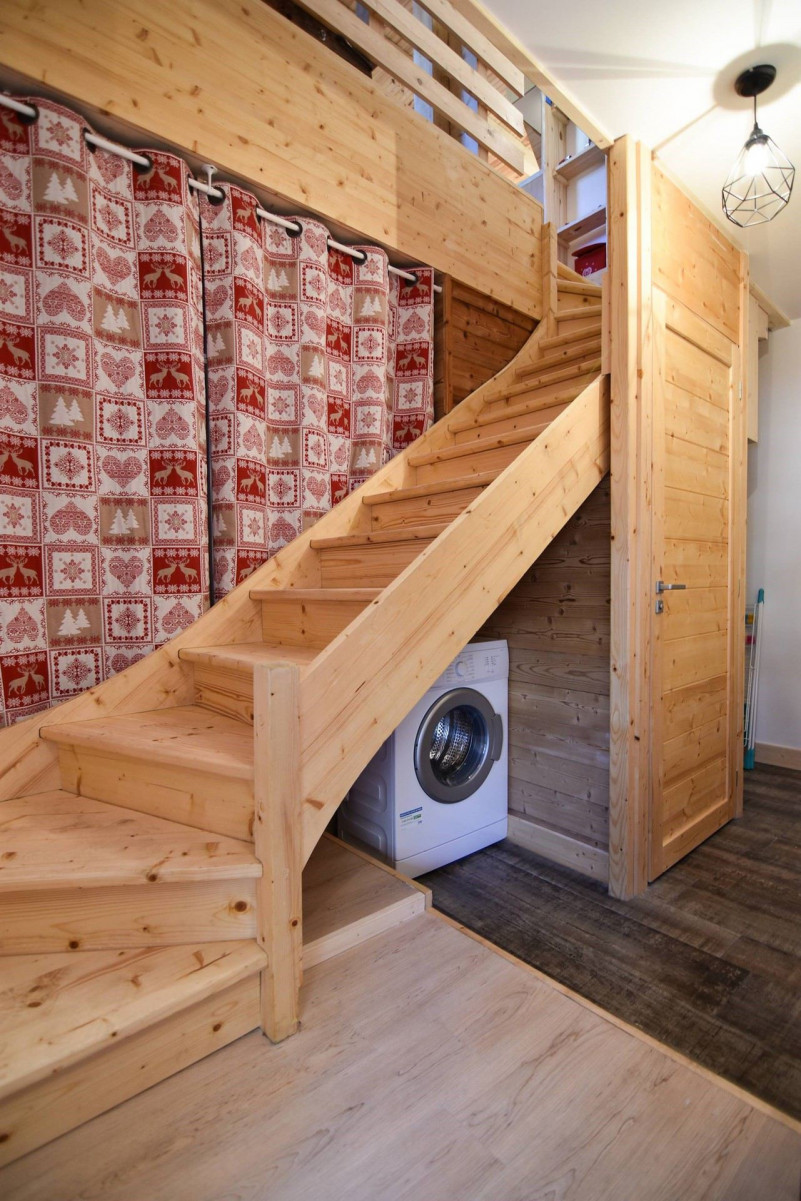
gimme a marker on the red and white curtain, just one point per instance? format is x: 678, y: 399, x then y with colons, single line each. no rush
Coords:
x: 102, y: 410
x: 320, y: 368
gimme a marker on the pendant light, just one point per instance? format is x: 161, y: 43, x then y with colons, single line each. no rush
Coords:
x: 760, y: 183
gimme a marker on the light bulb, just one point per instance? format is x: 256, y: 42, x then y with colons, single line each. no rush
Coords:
x: 757, y: 155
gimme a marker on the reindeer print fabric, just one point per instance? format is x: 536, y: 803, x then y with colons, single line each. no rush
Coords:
x: 103, y: 527
x: 319, y: 367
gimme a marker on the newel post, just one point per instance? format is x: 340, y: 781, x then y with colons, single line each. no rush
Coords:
x: 278, y: 843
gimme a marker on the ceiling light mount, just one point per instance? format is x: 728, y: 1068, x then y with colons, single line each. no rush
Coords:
x: 760, y: 183
x: 755, y: 80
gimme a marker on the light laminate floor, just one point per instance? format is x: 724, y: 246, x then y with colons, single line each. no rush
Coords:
x: 429, y: 1068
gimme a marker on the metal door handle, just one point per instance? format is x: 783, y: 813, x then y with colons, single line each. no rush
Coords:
x: 661, y: 586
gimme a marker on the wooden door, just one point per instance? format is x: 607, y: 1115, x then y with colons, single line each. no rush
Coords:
x: 696, y: 637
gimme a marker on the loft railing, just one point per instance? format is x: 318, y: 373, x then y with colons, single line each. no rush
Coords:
x: 433, y: 59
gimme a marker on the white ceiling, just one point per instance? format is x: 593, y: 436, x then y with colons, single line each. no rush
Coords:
x: 664, y: 72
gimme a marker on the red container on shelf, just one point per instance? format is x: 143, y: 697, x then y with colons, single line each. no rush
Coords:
x: 590, y: 258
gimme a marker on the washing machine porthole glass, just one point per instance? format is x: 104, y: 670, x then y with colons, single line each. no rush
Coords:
x: 458, y: 741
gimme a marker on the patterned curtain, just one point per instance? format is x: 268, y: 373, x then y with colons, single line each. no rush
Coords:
x: 103, y: 545
x: 320, y: 367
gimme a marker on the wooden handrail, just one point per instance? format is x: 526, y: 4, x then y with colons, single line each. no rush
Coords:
x: 366, y: 681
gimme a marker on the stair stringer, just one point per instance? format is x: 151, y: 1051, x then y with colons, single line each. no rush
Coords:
x: 28, y: 764
x: 365, y: 682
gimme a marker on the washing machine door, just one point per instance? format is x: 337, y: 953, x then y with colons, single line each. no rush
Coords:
x: 457, y: 743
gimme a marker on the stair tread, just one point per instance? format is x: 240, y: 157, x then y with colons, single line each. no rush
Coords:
x: 585, y: 310
x: 435, y: 488
x: 570, y: 371
x: 187, y: 736
x: 578, y: 288
x: 56, y: 839
x: 476, y: 445
x: 315, y: 594
x: 578, y: 350
x: 348, y: 897
x: 572, y: 335
x: 244, y: 655
x: 489, y: 416
x: 409, y: 533
x: 56, y: 1009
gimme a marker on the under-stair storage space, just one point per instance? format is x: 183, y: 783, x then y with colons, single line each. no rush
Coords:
x: 557, y: 624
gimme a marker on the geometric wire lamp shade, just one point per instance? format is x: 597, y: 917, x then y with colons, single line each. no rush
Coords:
x: 760, y: 183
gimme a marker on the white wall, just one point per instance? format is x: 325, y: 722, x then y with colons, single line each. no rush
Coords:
x: 774, y: 537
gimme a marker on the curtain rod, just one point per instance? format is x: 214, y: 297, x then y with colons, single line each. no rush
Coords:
x: 29, y: 112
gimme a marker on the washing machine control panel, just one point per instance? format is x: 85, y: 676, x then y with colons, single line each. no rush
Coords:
x: 478, y: 661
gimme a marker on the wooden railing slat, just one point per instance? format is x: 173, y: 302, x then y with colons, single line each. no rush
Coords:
x: 388, y: 56
x: 441, y: 55
x: 445, y: 12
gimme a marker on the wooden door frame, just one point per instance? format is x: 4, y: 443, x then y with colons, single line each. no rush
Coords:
x: 629, y: 175
x: 631, y: 335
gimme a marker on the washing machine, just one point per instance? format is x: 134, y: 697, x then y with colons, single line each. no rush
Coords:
x: 437, y: 789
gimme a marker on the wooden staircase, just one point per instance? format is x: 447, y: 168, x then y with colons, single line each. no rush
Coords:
x: 163, y: 870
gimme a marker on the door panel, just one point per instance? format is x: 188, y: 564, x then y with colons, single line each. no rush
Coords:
x: 696, y: 383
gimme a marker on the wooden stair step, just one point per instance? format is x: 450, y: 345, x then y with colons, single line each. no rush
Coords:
x: 582, y: 311
x: 308, y: 617
x: 185, y: 736
x: 436, y: 502
x: 589, y: 366
x: 575, y: 287
x: 77, y: 874
x: 223, y: 675
x: 537, y: 402
x: 81, y: 1032
x: 423, y: 533
x: 55, y: 839
x: 374, y: 558
x: 349, y: 897
x: 186, y: 764
x: 592, y: 330
x: 58, y: 1009
x: 580, y: 349
x: 447, y: 453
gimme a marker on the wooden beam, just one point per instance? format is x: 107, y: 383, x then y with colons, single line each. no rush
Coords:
x: 443, y: 56
x: 277, y: 838
x: 629, y: 283
x: 404, y: 68
x: 738, y: 512
x: 776, y: 318
x: 262, y: 99
x: 532, y: 68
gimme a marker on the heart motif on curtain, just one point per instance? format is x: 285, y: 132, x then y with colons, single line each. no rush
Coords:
x: 315, y: 322
x: 369, y: 382
x: 62, y: 298
x: 160, y: 226
x: 110, y: 166
x: 70, y: 517
x: 252, y: 440
x: 119, y: 371
x: 115, y: 269
x: 280, y: 363
x: 122, y: 471
x: 216, y: 298
x: 127, y: 571
x: 172, y: 425
x: 218, y: 390
x: 21, y: 627
x: 177, y: 618
x: 317, y: 486
x: 317, y: 405
x: 9, y: 183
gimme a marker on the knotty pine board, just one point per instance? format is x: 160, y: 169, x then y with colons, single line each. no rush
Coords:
x: 556, y: 622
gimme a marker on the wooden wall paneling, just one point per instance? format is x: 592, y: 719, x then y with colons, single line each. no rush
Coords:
x: 556, y: 622
x: 443, y: 339
x: 478, y: 337
x: 692, y: 260
x: 265, y: 102
x: 629, y: 282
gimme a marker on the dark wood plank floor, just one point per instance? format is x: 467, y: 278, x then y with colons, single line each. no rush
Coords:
x: 707, y: 961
